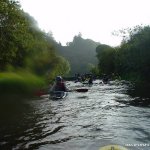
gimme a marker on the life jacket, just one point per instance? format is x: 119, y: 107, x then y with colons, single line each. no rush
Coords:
x: 60, y: 87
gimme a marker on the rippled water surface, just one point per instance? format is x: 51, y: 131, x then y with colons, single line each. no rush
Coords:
x: 104, y: 115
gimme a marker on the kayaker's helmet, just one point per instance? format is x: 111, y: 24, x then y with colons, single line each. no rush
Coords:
x: 58, y: 78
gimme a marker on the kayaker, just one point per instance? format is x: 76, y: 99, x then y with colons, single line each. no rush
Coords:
x: 78, y: 77
x: 90, y: 80
x: 105, y: 79
x: 59, y: 85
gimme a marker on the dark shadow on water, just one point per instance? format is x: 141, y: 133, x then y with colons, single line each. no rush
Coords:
x: 140, y: 95
x: 142, y: 90
x: 21, y: 124
x: 82, y: 97
x: 137, y: 102
x: 140, y: 102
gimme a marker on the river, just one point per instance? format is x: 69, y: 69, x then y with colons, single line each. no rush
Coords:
x: 104, y: 115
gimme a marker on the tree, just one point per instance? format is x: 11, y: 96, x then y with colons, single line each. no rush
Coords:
x: 24, y: 45
x: 106, y: 57
x: 133, y: 56
x: 80, y: 52
x: 14, y: 38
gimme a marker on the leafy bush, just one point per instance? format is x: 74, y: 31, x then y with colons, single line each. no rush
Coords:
x: 20, y: 83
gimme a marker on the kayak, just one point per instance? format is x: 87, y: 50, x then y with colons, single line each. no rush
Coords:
x: 58, y: 95
x: 113, y: 147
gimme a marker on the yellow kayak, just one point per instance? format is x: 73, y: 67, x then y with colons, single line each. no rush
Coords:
x: 113, y: 147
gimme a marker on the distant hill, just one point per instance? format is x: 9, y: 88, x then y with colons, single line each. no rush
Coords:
x: 80, y: 53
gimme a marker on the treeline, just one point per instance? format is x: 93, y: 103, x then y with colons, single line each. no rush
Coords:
x: 80, y: 53
x: 23, y: 46
x: 131, y: 60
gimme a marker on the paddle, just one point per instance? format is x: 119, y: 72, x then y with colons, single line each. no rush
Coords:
x: 40, y: 93
x: 79, y: 90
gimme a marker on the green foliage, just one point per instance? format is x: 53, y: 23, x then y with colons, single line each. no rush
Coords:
x: 135, y: 53
x: 62, y: 67
x: 106, y: 57
x: 24, y: 45
x: 132, y: 59
x: 79, y: 53
x: 14, y: 37
x: 20, y: 83
x: 94, y: 69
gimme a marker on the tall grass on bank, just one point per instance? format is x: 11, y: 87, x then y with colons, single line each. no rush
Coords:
x: 19, y: 83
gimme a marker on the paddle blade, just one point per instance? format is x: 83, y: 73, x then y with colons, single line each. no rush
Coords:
x: 81, y: 90
x: 39, y: 93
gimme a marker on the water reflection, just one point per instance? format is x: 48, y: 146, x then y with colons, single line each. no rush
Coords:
x: 20, y: 124
x: 142, y: 91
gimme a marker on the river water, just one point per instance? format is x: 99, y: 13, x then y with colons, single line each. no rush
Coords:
x: 104, y: 115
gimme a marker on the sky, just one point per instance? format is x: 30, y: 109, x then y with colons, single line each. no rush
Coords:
x: 94, y: 19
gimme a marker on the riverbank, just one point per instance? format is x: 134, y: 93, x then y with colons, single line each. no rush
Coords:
x: 19, y: 84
